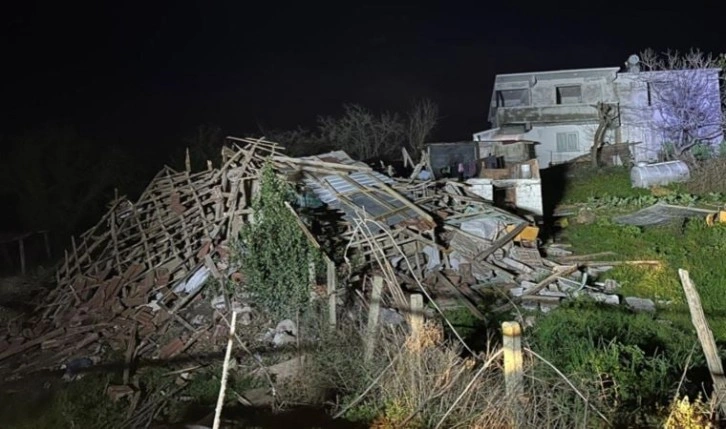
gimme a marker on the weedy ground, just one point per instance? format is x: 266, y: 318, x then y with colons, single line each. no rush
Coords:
x: 689, y: 244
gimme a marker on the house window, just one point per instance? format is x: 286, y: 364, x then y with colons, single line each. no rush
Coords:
x: 571, y: 94
x: 512, y: 97
x: 567, y: 142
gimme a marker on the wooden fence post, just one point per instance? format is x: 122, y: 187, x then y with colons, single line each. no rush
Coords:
x: 705, y: 336
x: 373, y: 312
x: 332, y: 287
x: 416, y: 323
x: 416, y: 317
x: 513, y: 361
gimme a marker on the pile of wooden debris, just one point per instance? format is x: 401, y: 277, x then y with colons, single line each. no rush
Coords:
x: 129, y: 281
x: 132, y: 283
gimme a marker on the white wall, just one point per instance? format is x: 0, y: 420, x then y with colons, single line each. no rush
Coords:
x: 528, y: 197
x: 544, y: 92
x: 547, y: 137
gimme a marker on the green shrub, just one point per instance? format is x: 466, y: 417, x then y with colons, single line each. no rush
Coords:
x: 274, y: 251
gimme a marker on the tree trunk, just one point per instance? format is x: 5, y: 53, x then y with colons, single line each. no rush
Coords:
x: 606, y: 117
x: 597, y: 144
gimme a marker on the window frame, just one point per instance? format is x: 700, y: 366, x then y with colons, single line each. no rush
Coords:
x: 570, y: 145
x: 559, y: 98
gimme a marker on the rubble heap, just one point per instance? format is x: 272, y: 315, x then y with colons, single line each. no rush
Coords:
x: 127, y: 281
x: 132, y: 282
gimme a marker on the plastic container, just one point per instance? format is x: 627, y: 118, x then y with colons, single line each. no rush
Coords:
x: 659, y: 174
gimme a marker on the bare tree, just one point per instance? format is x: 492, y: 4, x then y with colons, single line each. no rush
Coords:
x: 685, y: 98
x: 362, y: 134
x: 422, y: 120
x: 297, y: 142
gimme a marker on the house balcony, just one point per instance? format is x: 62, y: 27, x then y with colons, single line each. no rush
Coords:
x: 557, y: 114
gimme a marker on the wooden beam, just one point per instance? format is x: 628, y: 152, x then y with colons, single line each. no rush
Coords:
x: 498, y: 243
x: 313, y: 163
x: 705, y: 336
x: 395, y: 194
x: 461, y: 297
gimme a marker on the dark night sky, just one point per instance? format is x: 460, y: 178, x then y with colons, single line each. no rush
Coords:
x: 152, y: 71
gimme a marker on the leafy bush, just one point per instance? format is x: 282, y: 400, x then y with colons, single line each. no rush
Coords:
x: 274, y: 251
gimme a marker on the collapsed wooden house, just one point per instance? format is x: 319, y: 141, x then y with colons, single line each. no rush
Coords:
x: 128, y: 281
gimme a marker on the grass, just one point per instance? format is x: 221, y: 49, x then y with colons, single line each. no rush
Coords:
x: 630, y: 361
x: 584, y: 184
x: 690, y: 245
x: 635, y: 360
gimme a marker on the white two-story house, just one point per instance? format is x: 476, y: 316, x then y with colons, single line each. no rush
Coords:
x: 558, y: 110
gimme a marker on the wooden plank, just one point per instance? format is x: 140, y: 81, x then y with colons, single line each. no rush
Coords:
x: 461, y: 296
x: 705, y: 336
x: 212, y: 267
x: 551, y: 279
x: 572, y: 258
x: 331, y: 165
x: 498, y: 243
x: 565, y: 271
x: 395, y: 194
x: 13, y: 350
x: 614, y: 263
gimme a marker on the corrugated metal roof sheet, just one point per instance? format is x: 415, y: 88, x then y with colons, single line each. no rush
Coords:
x: 374, y: 201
